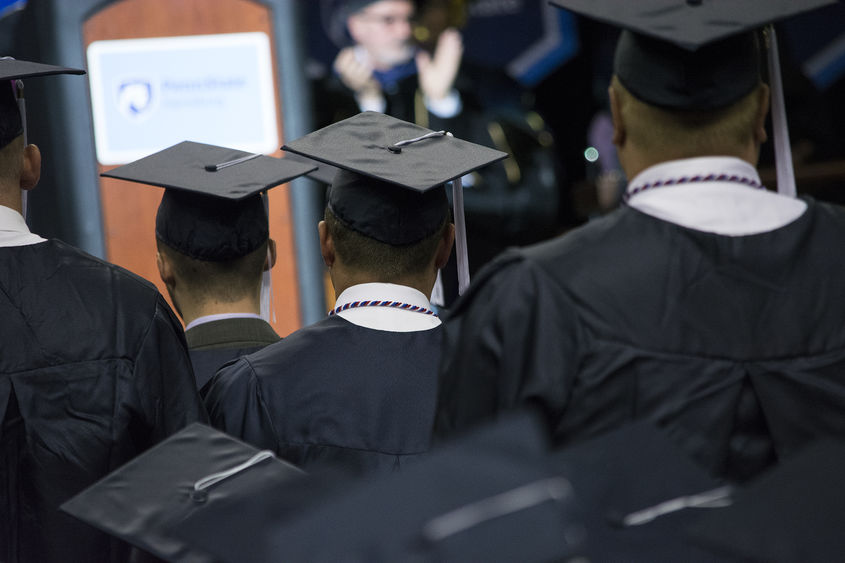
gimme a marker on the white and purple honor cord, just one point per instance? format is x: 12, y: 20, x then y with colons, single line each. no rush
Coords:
x: 375, y: 303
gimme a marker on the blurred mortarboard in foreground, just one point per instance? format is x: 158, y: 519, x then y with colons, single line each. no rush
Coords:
x: 699, y: 54
x: 211, y: 208
x: 795, y: 512
x: 497, y: 494
x: 389, y: 187
x: 259, y: 512
x: 489, y: 496
x: 13, y: 123
x: 637, y: 492
x: 190, y: 471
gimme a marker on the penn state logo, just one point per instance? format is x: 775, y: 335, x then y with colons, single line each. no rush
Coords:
x: 135, y: 98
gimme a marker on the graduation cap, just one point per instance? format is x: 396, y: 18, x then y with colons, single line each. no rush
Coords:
x: 792, y: 513
x: 390, y: 183
x: 488, y: 496
x: 211, y: 209
x: 699, y: 54
x: 189, y: 472
x: 214, y: 531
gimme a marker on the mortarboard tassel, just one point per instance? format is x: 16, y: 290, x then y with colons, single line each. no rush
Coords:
x: 460, y: 235
x: 267, y: 308
x: 780, y: 130
x: 214, y: 478
x: 18, y: 87
x: 520, y: 498
x: 715, y: 498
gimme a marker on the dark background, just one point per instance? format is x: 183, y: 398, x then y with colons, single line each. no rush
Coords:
x: 568, y: 89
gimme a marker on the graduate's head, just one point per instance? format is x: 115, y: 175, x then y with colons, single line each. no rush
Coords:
x: 390, y: 188
x: 212, y: 228
x: 20, y: 164
x: 210, y: 249
x: 12, y: 74
x: 672, y: 102
x: 696, y: 67
x: 383, y: 28
x: 382, y: 232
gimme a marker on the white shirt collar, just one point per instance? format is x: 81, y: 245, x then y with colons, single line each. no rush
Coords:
x: 721, y: 198
x: 13, y: 229
x: 386, y: 318
x: 220, y: 317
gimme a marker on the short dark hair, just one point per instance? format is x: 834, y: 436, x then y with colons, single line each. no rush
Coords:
x: 228, y: 280
x: 10, y: 159
x: 11, y: 125
x: 686, y: 133
x: 385, y: 262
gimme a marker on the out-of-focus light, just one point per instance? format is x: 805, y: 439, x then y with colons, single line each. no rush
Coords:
x: 591, y: 154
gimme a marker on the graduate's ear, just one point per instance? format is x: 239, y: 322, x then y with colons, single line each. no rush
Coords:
x: 165, y: 270
x: 444, y: 249
x: 31, y: 170
x: 326, y: 244
x: 270, y: 261
x: 616, y: 116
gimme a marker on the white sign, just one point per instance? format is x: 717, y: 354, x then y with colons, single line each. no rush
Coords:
x: 149, y: 94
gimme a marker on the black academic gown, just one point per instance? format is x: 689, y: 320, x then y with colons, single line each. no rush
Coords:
x: 333, y: 393
x: 735, y: 345
x: 215, y: 343
x: 93, y: 371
